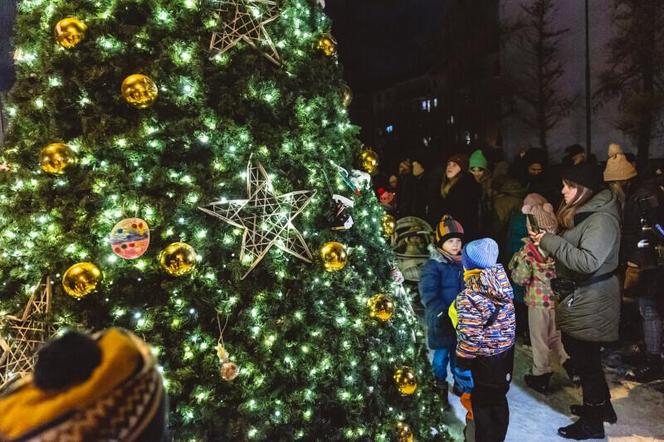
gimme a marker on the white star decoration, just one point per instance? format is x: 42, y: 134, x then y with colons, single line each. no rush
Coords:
x: 25, y: 335
x: 267, y: 218
x: 245, y: 20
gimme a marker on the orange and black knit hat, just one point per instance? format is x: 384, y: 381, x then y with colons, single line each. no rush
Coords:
x: 448, y: 228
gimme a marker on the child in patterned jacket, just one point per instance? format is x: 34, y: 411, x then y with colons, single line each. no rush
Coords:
x: 533, y: 269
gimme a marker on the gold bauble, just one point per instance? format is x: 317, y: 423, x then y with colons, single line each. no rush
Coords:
x: 139, y: 91
x: 229, y: 371
x: 334, y: 256
x: 346, y: 96
x: 404, y: 379
x: 69, y: 32
x: 404, y: 433
x: 369, y: 161
x: 381, y: 307
x: 389, y: 224
x: 55, y: 158
x: 178, y: 259
x: 327, y: 45
x: 81, y: 279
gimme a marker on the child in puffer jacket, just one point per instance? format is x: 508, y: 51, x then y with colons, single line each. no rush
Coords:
x: 533, y: 269
x: 484, y: 312
x: 441, y: 280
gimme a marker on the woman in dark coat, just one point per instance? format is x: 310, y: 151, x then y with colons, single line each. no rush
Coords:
x: 586, y: 253
x: 459, y: 196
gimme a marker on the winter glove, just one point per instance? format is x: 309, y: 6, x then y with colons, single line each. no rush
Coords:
x: 463, y: 380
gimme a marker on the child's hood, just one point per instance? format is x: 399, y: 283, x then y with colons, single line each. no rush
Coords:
x: 493, y: 283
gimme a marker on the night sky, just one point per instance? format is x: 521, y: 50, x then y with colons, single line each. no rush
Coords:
x: 383, y: 41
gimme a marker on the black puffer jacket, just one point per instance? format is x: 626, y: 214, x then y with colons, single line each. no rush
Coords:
x: 462, y: 202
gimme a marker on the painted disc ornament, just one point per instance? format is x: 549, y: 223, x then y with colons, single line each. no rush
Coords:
x: 381, y: 307
x: 69, y: 32
x: 178, y: 259
x: 327, y: 45
x: 389, y: 224
x: 404, y: 379
x: 81, y: 279
x: 139, y: 91
x: 346, y: 96
x: 369, y: 161
x: 229, y: 371
x: 130, y: 238
x: 334, y: 256
x: 55, y: 158
x: 404, y: 433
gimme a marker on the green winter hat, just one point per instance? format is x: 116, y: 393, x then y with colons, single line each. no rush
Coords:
x: 477, y: 159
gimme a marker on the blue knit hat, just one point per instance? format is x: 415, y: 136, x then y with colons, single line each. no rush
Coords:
x: 480, y: 254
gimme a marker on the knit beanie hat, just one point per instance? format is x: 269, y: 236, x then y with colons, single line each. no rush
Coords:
x: 105, y: 387
x: 477, y: 159
x: 534, y: 199
x: 574, y: 149
x: 543, y: 213
x: 448, y: 228
x: 480, y: 254
x: 617, y: 166
x: 535, y: 155
x: 461, y: 159
x: 585, y: 174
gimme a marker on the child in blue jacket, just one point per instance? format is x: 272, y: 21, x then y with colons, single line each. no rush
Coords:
x: 441, y: 280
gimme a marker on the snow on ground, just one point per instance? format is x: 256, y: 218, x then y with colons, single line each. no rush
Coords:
x: 536, y: 417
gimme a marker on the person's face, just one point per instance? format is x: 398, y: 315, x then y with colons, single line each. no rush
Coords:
x: 579, y: 158
x: 452, y: 246
x: 393, y: 181
x: 452, y: 170
x: 535, y: 169
x: 418, y: 169
x: 478, y: 173
x: 569, y: 192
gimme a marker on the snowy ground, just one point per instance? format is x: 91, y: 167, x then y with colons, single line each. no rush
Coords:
x: 536, y: 417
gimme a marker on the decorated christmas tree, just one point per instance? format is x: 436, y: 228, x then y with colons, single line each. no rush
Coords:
x: 184, y: 169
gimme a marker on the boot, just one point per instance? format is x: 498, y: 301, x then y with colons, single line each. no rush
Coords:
x: 608, y: 416
x: 589, y: 426
x: 443, y: 392
x: 571, y: 372
x: 648, y: 371
x: 538, y: 383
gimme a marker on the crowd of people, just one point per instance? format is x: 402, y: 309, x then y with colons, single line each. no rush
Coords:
x: 561, y: 283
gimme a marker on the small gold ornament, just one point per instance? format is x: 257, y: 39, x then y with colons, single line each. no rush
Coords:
x: 404, y: 432
x: 81, y: 279
x: 369, y: 161
x: 178, y: 259
x: 334, y: 256
x: 346, y: 96
x: 55, y: 158
x: 404, y: 379
x: 327, y: 45
x: 389, y: 224
x: 381, y: 307
x: 139, y: 91
x: 69, y: 32
x: 229, y: 371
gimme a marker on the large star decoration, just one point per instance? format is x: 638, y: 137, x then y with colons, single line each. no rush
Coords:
x: 267, y: 218
x: 22, y: 336
x: 245, y: 20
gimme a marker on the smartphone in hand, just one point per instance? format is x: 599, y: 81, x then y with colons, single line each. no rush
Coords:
x: 534, y: 227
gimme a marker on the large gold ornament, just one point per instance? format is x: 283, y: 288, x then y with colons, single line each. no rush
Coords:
x: 327, y: 45
x: 346, y: 96
x: 81, y: 279
x: 55, y: 158
x: 139, y: 91
x: 381, y: 307
x: 404, y: 433
x: 389, y: 224
x: 404, y: 379
x: 334, y: 256
x: 178, y: 259
x: 69, y: 32
x: 369, y: 161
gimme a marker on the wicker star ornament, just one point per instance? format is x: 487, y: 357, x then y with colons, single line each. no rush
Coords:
x: 266, y: 217
x: 21, y: 336
x: 245, y: 20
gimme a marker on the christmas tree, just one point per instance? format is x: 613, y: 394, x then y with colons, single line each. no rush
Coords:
x: 183, y: 169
